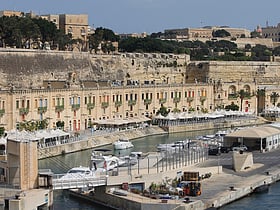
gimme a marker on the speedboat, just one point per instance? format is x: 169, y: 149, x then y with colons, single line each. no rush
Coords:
x: 102, y: 163
x: 133, y: 158
x: 122, y: 144
x: 79, y: 173
x: 172, y: 147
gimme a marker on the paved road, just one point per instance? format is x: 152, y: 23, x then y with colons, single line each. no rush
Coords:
x: 268, y: 159
x: 219, y: 184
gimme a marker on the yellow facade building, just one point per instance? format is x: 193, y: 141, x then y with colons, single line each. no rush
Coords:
x: 79, y: 107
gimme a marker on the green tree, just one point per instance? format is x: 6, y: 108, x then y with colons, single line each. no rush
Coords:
x: 261, y: 52
x: 276, y: 51
x: 220, y: 33
x: 255, y: 34
x: 232, y: 106
x: 47, y: 29
x: 105, y: 37
x: 243, y: 94
x: 163, y: 111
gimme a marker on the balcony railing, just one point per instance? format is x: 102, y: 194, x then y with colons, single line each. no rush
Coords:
x: 131, y: 102
x: 147, y: 101
x: 59, y: 108
x: 75, y: 107
x: 232, y: 96
x: 162, y: 100
x: 202, y: 98
x: 118, y: 103
x: 2, y: 112
x: 176, y: 99
x: 90, y: 106
x: 104, y: 105
x: 23, y: 111
x: 42, y: 109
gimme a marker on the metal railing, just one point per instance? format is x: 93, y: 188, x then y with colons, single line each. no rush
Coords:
x: 60, y: 183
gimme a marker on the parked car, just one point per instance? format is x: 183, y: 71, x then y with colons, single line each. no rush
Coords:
x: 225, y: 149
x: 214, y: 151
x: 242, y: 148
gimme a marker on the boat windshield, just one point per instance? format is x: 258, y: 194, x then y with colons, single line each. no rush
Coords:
x: 75, y: 171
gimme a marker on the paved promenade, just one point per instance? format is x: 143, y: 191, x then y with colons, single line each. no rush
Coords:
x: 224, y: 186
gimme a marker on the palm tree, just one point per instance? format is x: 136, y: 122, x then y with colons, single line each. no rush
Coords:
x: 261, y: 100
x: 274, y: 97
x: 241, y: 95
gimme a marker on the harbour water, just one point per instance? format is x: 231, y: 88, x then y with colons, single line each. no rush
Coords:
x: 263, y: 201
x: 61, y: 164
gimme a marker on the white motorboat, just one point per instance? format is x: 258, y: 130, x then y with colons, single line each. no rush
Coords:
x: 79, y: 173
x: 133, y: 158
x: 175, y: 146
x: 102, y: 163
x: 122, y: 144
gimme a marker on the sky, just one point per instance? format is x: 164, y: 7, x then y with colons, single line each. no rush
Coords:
x: 151, y: 16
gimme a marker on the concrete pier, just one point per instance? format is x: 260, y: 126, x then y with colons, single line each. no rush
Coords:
x: 223, y: 187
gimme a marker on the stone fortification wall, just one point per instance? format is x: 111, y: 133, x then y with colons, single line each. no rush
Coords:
x: 29, y: 68
x: 234, y: 71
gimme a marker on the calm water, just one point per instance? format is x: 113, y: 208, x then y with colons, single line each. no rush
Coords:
x: 263, y: 201
x: 61, y: 164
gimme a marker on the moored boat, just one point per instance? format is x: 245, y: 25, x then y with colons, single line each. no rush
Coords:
x: 102, y: 163
x: 122, y: 144
x: 78, y: 173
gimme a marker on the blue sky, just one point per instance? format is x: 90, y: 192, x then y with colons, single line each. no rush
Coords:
x: 135, y: 16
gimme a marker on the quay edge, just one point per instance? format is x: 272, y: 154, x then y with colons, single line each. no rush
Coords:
x: 242, y: 188
x: 95, y: 141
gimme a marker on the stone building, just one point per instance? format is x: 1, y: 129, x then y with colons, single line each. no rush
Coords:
x: 51, y: 18
x: 257, y: 79
x: 76, y: 25
x: 204, y: 33
x: 10, y: 13
x: 272, y: 32
x: 79, y: 88
x: 77, y: 107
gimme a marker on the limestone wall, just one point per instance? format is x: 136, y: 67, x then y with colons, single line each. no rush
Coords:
x: 28, y: 68
x: 233, y: 71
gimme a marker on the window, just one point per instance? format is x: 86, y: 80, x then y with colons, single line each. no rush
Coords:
x: 40, y: 102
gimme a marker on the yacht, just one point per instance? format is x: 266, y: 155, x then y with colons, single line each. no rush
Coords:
x: 122, y: 144
x: 103, y: 163
x: 78, y: 173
